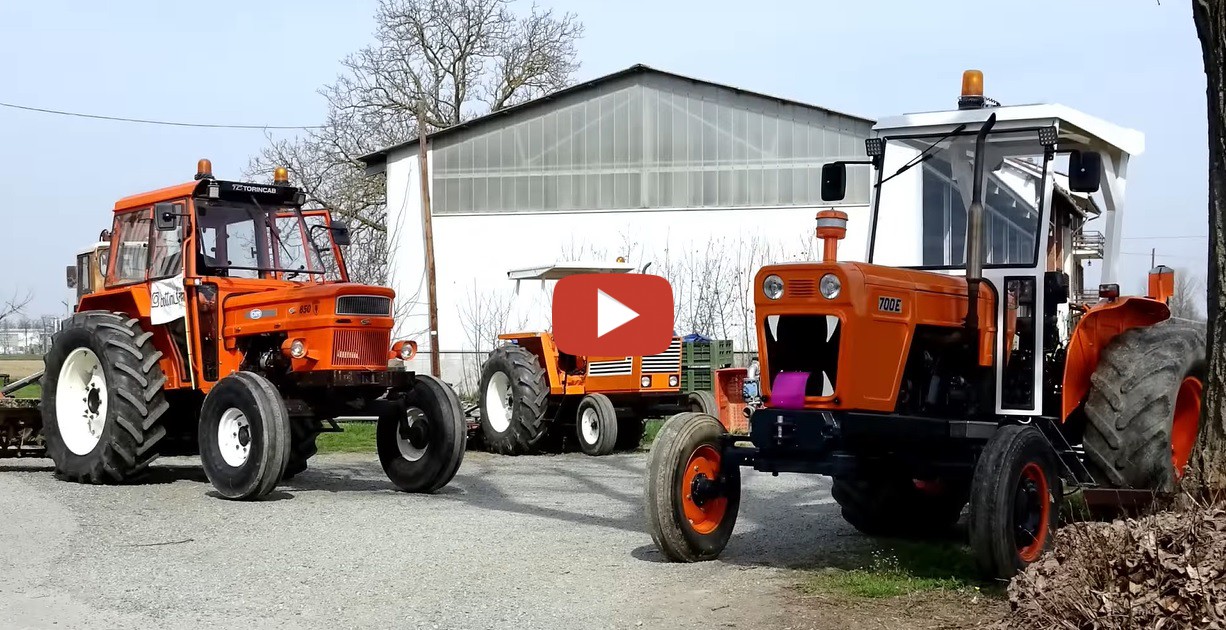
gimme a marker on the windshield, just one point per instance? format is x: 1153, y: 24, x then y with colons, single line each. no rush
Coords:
x: 920, y: 206
x: 240, y: 240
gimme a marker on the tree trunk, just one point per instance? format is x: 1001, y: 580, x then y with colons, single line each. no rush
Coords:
x: 1209, y: 463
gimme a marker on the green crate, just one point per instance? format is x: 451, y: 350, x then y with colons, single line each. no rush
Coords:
x: 697, y: 379
x: 707, y: 354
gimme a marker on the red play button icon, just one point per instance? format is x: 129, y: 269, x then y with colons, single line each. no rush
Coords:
x: 612, y: 314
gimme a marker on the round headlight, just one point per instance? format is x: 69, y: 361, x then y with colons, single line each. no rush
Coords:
x: 772, y: 287
x: 406, y: 352
x: 672, y: 380
x: 830, y: 286
x: 646, y: 381
x: 297, y: 349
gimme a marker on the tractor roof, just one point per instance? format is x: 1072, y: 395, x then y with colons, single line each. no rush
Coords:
x: 1075, y: 129
x: 562, y: 269
x: 263, y: 193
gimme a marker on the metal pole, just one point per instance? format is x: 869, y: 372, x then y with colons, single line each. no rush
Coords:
x: 428, y: 232
x: 1153, y: 255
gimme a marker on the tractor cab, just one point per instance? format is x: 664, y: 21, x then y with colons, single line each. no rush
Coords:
x: 89, y: 273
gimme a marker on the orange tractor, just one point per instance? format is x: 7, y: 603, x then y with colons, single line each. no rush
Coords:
x: 218, y: 318
x: 962, y: 364
x: 528, y: 386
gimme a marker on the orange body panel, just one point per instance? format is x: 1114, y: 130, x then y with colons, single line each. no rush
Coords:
x: 134, y: 301
x: 579, y: 380
x: 1101, y: 323
x: 145, y: 199
x: 874, y: 342
x: 1161, y: 283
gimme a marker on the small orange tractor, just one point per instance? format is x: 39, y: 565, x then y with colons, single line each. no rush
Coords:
x: 528, y: 386
x: 962, y: 364
x: 217, y: 317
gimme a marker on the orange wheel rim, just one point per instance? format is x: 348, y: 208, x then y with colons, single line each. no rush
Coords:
x: 703, y: 518
x: 1186, y: 423
x: 1032, y: 512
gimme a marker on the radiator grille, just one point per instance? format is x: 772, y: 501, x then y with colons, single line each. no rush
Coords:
x: 363, y: 305
x: 360, y: 347
x: 799, y: 287
x: 667, y: 362
x: 620, y: 367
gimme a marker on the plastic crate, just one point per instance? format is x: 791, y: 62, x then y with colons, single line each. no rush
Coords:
x: 730, y: 398
x: 714, y: 354
x: 697, y: 379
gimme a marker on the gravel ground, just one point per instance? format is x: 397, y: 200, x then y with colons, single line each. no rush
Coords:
x: 528, y: 542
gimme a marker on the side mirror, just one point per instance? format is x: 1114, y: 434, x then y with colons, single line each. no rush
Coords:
x: 1085, y: 171
x: 340, y: 233
x: 72, y: 276
x: 166, y: 216
x: 834, y: 181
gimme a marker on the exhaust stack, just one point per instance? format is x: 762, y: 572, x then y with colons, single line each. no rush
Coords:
x: 974, y: 230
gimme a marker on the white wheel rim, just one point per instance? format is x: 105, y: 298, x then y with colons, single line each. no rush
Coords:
x: 498, y: 402
x: 407, y: 450
x: 80, y: 401
x: 234, y: 437
x: 588, y: 426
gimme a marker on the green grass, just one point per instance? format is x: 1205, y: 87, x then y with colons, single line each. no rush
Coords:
x: 650, y: 429
x: 33, y: 390
x: 357, y: 437
x: 904, y: 568
x: 21, y: 357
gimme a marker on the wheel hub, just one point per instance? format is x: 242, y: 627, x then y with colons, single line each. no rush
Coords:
x: 234, y: 437
x: 413, y: 434
x: 704, y: 489
x: 81, y: 401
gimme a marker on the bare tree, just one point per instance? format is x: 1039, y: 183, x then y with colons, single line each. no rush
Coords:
x: 445, y: 60
x: 1185, y: 302
x: 1209, y: 461
x: 484, y: 316
x: 15, y: 304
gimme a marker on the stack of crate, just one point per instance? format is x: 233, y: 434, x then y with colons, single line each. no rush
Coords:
x: 700, y: 359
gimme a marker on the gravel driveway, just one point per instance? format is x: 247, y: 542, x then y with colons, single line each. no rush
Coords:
x: 527, y: 542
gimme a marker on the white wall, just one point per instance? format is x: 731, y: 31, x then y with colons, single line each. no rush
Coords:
x: 474, y: 252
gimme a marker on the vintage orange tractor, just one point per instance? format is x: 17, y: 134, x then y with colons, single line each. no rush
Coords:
x: 225, y: 324
x: 528, y: 386
x: 962, y: 363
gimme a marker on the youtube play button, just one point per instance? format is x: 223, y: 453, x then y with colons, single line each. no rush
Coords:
x: 612, y: 314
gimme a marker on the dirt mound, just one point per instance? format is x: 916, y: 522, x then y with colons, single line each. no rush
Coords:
x: 1162, y: 571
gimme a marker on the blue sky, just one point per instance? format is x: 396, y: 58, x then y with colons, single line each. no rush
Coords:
x: 1134, y: 62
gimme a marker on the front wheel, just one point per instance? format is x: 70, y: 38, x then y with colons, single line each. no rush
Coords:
x: 1013, y: 501
x: 421, y: 442
x: 596, y: 425
x: 244, y: 436
x: 692, y: 501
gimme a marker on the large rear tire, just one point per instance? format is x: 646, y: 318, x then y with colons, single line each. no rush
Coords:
x: 686, y: 457
x: 244, y: 436
x: 514, y: 393
x: 596, y: 425
x: 1143, y: 409
x: 702, y: 401
x: 1014, y: 497
x: 896, y: 507
x: 303, y: 432
x: 421, y: 437
x: 102, y: 398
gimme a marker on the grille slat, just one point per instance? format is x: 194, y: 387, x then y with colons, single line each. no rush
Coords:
x: 360, y: 347
x: 666, y: 362
x: 622, y: 367
x: 800, y: 287
x: 363, y: 305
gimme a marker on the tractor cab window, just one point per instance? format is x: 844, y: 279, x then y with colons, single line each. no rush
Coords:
x: 247, y: 240
x: 297, y: 251
x: 132, y: 247
x: 167, y: 251
x: 926, y: 186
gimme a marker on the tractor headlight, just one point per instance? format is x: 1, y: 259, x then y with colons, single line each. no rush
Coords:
x: 772, y: 287
x: 297, y: 349
x: 672, y: 380
x: 830, y: 286
x: 404, y: 350
x: 646, y: 381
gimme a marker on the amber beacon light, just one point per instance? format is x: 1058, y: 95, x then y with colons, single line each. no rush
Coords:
x: 280, y: 175
x: 972, y: 90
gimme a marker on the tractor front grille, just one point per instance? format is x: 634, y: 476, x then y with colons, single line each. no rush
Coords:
x: 364, y: 305
x: 618, y: 367
x: 360, y: 347
x: 667, y: 362
x: 805, y: 343
x: 801, y: 287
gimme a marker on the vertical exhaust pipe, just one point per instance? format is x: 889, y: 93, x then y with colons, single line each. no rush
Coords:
x: 974, y: 230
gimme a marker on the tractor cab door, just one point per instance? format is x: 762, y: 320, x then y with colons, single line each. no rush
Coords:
x: 308, y: 243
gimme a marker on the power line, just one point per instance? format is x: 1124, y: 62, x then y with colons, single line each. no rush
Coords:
x: 153, y: 122
x: 1152, y: 238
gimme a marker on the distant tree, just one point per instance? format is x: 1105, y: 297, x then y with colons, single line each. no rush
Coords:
x: 447, y: 60
x: 15, y: 304
x: 1185, y: 303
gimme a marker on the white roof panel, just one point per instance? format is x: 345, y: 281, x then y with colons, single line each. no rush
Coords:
x: 559, y: 270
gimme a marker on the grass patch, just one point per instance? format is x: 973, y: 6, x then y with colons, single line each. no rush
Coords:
x: 650, y: 429
x: 905, y: 568
x: 21, y: 357
x: 33, y: 390
x: 357, y: 437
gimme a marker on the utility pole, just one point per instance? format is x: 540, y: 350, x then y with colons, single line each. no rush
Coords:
x: 1153, y: 256
x: 428, y: 232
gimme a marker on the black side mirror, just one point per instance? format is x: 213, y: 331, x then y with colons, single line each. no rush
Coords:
x: 166, y: 216
x: 834, y: 181
x: 72, y: 276
x: 1085, y: 171
x: 340, y: 233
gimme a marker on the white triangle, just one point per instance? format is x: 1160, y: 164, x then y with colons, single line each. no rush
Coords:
x: 611, y: 314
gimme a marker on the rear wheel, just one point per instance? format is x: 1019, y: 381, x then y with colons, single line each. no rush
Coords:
x: 1143, y: 410
x: 692, y: 502
x: 898, y: 507
x: 303, y: 432
x: 703, y: 402
x: 514, y: 393
x: 596, y: 425
x: 102, y: 402
x: 421, y: 437
x: 244, y: 436
x: 1013, y: 501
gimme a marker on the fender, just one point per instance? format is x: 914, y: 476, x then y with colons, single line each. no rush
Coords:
x: 1097, y: 328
